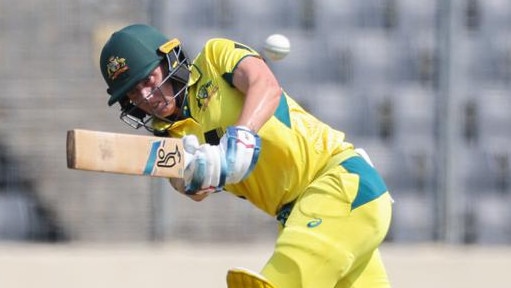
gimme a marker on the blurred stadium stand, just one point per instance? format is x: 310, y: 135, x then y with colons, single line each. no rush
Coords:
x: 367, y: 67
x: 23, y: 217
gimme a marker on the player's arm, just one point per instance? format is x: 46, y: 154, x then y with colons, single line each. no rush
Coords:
x: 235, y: 157
x: 261, y: 89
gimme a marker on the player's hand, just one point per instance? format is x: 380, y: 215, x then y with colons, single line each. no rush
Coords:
x: 213, y: 166
x: 241, y: 148
x: 204, y: 170
x: 195, y: 165
x: 190, y: 145
x: 201, y: 194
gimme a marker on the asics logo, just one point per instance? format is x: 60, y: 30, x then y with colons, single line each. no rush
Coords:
x: 314, y: 223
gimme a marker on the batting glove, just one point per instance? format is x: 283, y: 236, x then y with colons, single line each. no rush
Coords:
x: 213, y: 166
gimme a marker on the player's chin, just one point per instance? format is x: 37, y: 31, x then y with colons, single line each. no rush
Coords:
x: 164, y: 111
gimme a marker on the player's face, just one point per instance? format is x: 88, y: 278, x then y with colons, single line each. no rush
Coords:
x: 154, y: 94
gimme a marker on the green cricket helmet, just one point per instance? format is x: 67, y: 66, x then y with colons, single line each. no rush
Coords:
x: 130, y: 55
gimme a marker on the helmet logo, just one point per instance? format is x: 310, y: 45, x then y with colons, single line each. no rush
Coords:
x: 115, y: 67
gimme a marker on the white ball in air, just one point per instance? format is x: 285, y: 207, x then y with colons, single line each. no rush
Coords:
x: 276, y: 47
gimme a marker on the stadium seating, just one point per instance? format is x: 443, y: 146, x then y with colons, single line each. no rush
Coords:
x: 369, y: 68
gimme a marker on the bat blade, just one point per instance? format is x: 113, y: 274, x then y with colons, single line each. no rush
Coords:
x: 125, y: 153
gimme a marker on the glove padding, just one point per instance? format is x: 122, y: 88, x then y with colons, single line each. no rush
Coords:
x: 213, y: 166
x: 196, y: 165
x: 241, y: 147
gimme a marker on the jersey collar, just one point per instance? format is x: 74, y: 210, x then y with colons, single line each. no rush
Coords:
x: 195, y: 75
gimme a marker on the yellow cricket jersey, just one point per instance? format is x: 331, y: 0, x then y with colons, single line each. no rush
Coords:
x: 295, y: 145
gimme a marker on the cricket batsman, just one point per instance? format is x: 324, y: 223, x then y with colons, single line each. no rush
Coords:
x: 245, y: 135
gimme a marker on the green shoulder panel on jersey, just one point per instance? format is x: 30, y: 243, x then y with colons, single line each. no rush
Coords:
x: 282, y: 112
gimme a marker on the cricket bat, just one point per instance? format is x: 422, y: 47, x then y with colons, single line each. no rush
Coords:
x: 125, y: 153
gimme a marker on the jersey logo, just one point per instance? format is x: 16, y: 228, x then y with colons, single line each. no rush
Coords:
x: 205, y: 93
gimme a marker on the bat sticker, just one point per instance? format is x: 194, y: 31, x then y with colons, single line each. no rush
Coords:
x: 168, y: 159
x: 158, y: 157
